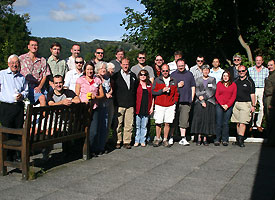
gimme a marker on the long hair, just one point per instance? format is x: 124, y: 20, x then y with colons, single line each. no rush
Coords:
x: 229, y: 75
x: 147, y: 80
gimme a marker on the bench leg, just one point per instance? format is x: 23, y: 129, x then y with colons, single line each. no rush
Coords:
x: 3, y: 156
x: 25, y: 158
x: 86, y: 146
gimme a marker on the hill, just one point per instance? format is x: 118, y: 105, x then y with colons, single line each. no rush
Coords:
x: 87, y: 48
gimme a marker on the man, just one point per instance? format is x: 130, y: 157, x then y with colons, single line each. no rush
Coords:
x: 99, y: 54
x: 74, y: 74
x: 245, y: 104
x: 158, y: 64
x: 35, y: 70
x: 142, y: 65
x: 56, y: 65
x: 216, y: 71
x: 186, y: 88
x: 259, y: 73
x: 117, y: 62
x: 75, y: 50
x: 173, y: 65
x: 196, y: 69
x: 61, y: 96
x: 237, y: 60
x: 268, y: 92
x: 166, y: 96
x: 13, y: 89
x: 125, y: 84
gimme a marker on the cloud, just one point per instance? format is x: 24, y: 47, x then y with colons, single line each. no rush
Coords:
x: 21, y: 3
x: 91, y: 17
x: 61, y: 15
x: 63, y: 6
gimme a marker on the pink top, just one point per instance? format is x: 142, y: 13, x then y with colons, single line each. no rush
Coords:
x: 38, y: 69
x: 226, y: 95
x: 86, y: 87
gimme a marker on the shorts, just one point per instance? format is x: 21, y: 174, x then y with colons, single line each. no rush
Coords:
x: 33, y: 96
x: 164, y: 114
x: 241, y: 113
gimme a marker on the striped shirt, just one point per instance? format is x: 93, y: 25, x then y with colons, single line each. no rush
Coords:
x: 258, y: 77
x: 196, y: 71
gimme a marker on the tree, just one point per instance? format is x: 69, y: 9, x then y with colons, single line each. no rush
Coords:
x: 209, y: 27
x: 14, y: 33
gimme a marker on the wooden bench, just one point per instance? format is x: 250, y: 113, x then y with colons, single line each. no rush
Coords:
x: 45, y: 126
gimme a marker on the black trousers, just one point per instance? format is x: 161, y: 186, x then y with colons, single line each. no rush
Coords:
x: 12, y: 114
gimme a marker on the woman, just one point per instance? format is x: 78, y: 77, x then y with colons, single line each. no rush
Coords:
x: 144, y: 107
x: 225, y: 96
x: 89, y: 88
x: 203, y: 122
x: 103, y: 106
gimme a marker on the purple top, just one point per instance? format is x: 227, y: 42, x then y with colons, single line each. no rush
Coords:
x: 185, y: 92
x: 205, y: 83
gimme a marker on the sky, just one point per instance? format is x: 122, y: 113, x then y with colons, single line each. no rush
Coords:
x: 81, y: 21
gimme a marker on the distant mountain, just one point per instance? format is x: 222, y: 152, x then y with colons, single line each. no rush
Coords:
x: 87, y: 48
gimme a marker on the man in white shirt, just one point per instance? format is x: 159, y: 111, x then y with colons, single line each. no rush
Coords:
x: 73, y: 75
x: 172, y: 65
x: 75, y: 50
x: 216, y: 71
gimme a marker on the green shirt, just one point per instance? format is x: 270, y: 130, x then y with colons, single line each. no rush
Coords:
x: 58, y: 67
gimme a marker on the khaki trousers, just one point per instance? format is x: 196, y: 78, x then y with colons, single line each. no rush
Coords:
x: 125, y: 121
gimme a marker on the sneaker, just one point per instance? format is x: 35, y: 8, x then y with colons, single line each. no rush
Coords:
x: 171, y: 141
x: 165, y: 143
x: 160, y: 139
x: 184, y: 142
x: 156, y: 142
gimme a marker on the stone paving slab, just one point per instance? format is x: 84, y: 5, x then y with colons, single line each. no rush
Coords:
x: 193, y: 172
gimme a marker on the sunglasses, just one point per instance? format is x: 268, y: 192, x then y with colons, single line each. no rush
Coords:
x: 158, y: 59
x: 99, y: 53
x: 141, y: 57
x: 241, y: 70
x: 199, y: 60
x: 165, y: 70
x: 237, y: 59
x: 143, y: 75
x: 81, y: 62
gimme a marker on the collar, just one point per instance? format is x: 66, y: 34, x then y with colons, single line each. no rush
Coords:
x: 10, y: 72
x: 52, y: 59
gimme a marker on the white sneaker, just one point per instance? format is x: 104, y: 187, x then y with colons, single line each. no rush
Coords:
x: 184, y: 142
x: 160, y: 139
x: 171, y: 141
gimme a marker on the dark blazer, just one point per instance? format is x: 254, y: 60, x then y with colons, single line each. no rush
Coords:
x: 208, y: 93
x: 124, y: 97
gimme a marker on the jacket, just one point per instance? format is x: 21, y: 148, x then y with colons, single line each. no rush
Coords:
x: 208, y: 93
x: 139, y: 97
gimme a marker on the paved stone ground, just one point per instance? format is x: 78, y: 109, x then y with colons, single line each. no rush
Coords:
x: 221, y: 173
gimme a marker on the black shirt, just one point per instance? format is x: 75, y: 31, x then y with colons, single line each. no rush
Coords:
x: 245, y: 88
x: 67, y: 93
x: 144, y: 103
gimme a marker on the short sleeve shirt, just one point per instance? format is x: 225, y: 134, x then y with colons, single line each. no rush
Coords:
x: 58, y: 67
x: 57, y: 98
x: 38, y: 69
x: 245, y: 88
x: 258, y: 77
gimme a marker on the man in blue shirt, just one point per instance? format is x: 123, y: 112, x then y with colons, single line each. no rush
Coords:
x: 259, y: 73
x: 13, y: 89
x: 216, y: 71
x: 186, y: 88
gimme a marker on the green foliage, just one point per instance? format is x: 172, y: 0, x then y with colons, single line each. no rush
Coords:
x: 201, y: 27
x: 14, y: 33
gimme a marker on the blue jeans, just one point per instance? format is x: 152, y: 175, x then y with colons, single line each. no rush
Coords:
x: 93, y: 130
x: 222, y: 120
x: 141, y: 128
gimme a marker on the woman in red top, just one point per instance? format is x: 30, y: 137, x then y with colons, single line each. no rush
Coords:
x: 144, y: 106
x: 225, y: 95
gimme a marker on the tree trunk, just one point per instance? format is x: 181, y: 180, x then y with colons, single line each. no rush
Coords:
x: 240, y: 38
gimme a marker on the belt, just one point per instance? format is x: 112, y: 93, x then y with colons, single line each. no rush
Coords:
x: 14, y: 103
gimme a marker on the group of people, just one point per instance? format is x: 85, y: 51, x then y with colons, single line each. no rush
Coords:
x: 123, y: 97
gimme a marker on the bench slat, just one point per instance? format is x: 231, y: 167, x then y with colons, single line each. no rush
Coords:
x: 14, y: 131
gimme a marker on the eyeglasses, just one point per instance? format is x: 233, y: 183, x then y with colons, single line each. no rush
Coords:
x: 141, y: 57
x: 165, y: 70
x: 181, y: 65
x: 237, y: 59
x: 99, y: 53
x: 143, y: 75
x: 81, y: 62
x: 159, y: 60
x: 200, y: 61
x: 242, y: 70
